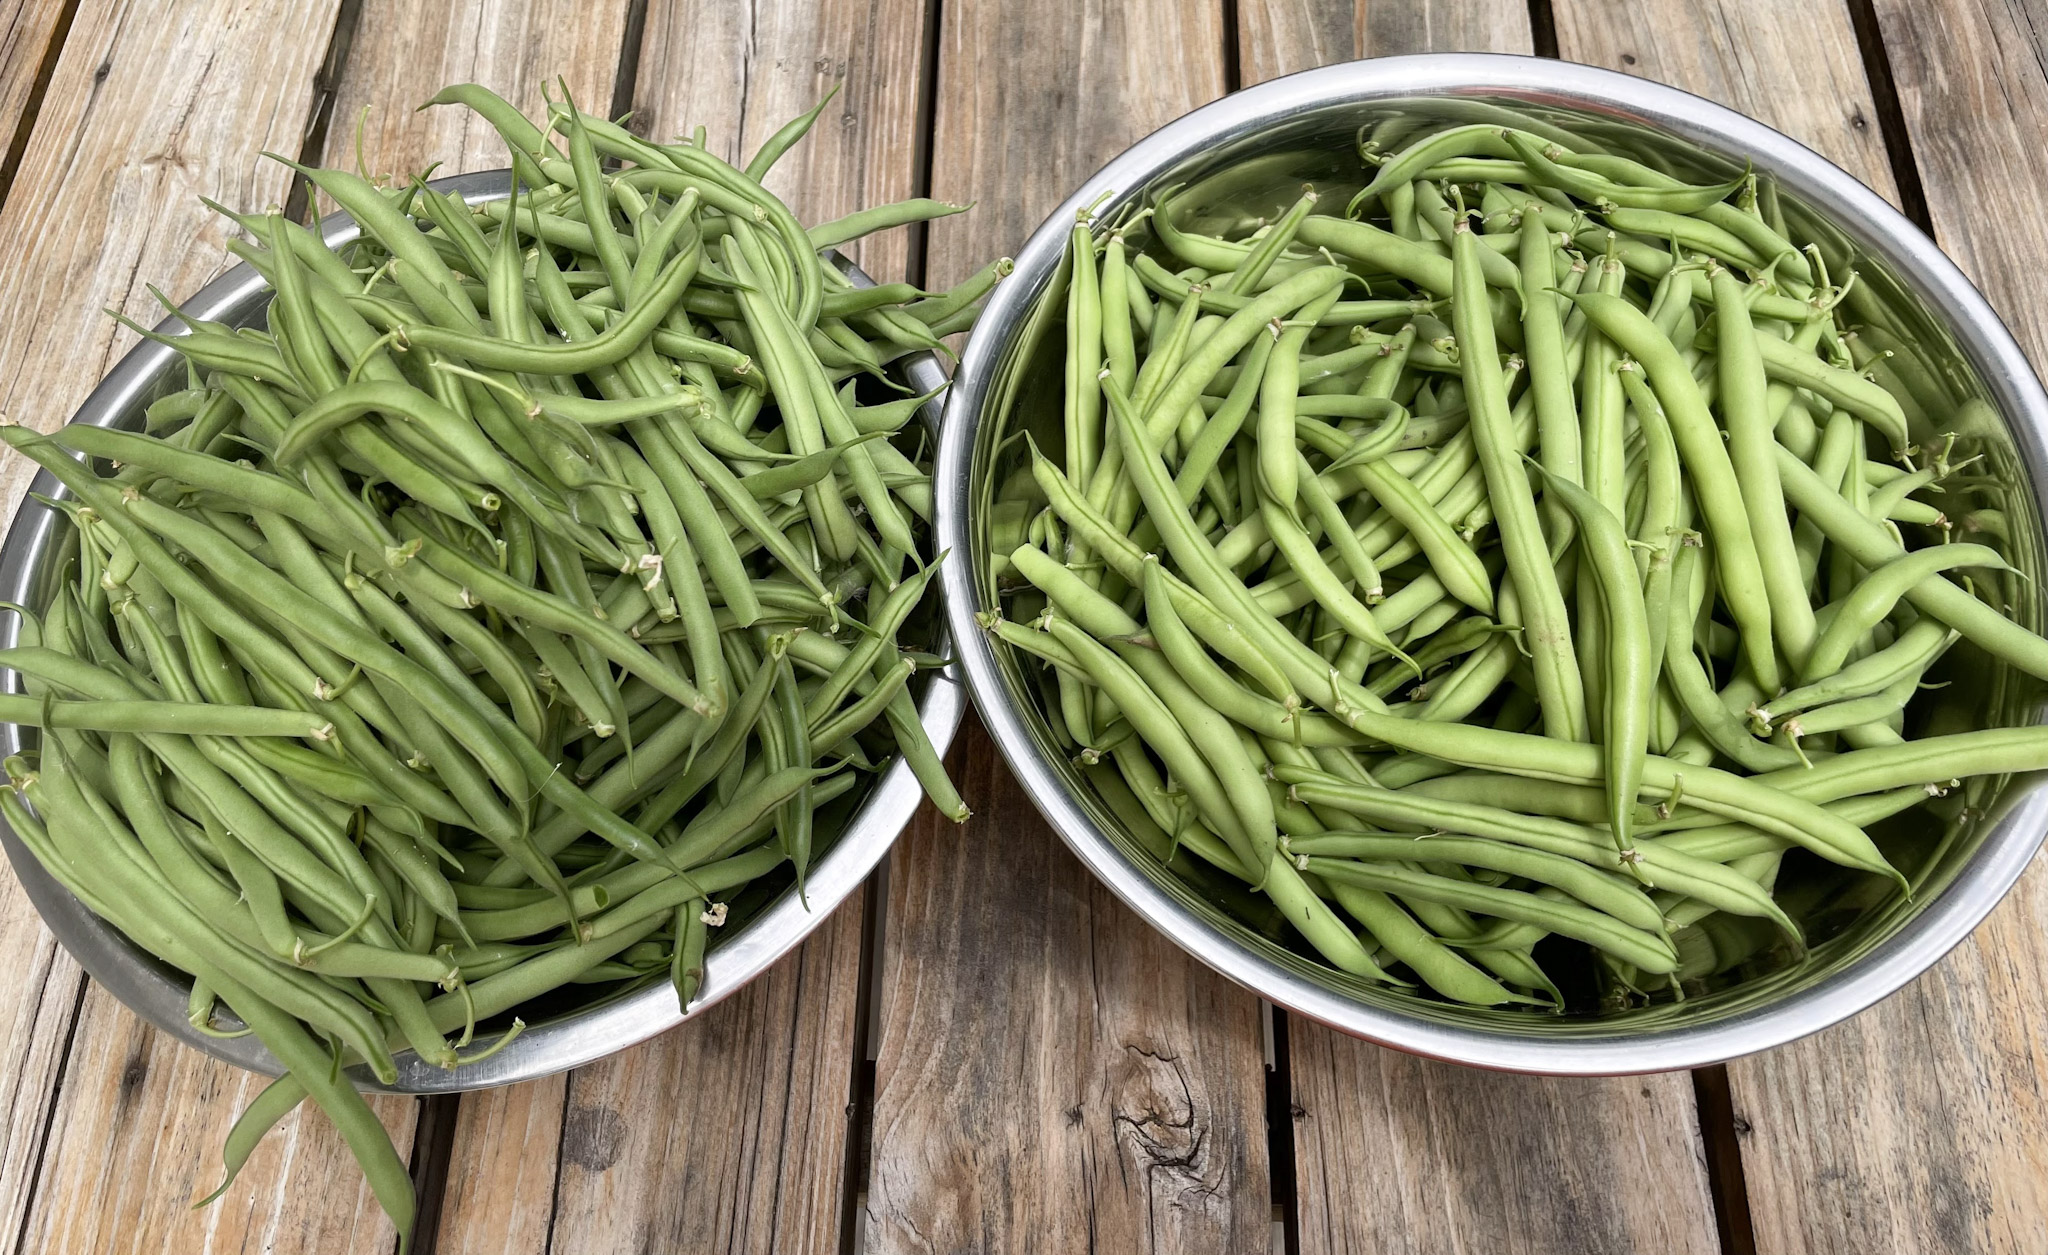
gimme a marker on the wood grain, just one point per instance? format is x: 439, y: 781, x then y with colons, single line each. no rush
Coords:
x: 1922, y: 1125
x: 148, y: 108
x: 1276, y: 37
x: 26, y: 30
x: 1030, y: 103
x: 137, y: 1139
x: 742, y: 70
x: 37, y: 1028
x: 1803, y: 77
x: 729, y: 1133
x: 1054, y: 1074
x: 1405, y: 1157
x: 501, y: 1174
x: 405, y: 51
x: 1389, y: 28
x: 1968, y: 99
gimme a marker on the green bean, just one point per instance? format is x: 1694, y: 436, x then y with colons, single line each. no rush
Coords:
x: 1852, y: 713
x: 1187, y: 658
x: 1929, y: 760
x: 1103, y: 619
x: 1866, y: 400
x: 788, y: 744
x: 1560, y: 692
x: 1646, y: 950
x: 1558, y: 437
x: 1689, y: 232
x: 1278, y: 388
x: 1909, y: 656
x: 1084, y: 355
x: 151, y: 914
x: 1873, y: 599
x: 177, y: 718
x: 1239, y: 809
x: 1330, y: 515
x: 1440, y: 967
x: 1693, y: 687
x: 686, y: 966
x: 828, y: 734
x: 1269, y: 246
x: 1706, y: 457
x: 1450, y: 556
x: 1484, y: 139
x: 1866, y: 540
x: 1631, y: 673
x: 879, y: 218
x: 1547, y: 165
x: 1146, y: 273
x: 1227, y: 637
x: 1238, y: 330
x: 1543, y: 758
x: 1751, y: 446
x: 1599, y: 890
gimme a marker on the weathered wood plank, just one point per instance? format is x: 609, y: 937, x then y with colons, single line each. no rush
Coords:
x: 501, y: 1173
x: 731, y: 1132
x: 148, y: 108
x: 1922, y: 1124
x: 32, y: 1042
x: 1029, y: 105
x: 1805, y: 78
x: 1388, y: 28
x: 1975, y: 103
x: 741, y: 71
x: 1054, y: 1074
x: 1276, y: 37
x: 728, y: 1134
x: 1400, y: 1154
x: 137, y: 1139
x: 404, y: 52
x: 27, y: 28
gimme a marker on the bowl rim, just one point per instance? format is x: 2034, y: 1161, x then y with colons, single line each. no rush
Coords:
x: 1875, y: 226
x: 155, y: 992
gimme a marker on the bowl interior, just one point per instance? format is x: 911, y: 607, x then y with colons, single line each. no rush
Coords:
x: 571, y: 1025
x: 1256, y: 174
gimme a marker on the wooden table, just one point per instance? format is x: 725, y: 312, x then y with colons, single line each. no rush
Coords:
x: 985, y: 1051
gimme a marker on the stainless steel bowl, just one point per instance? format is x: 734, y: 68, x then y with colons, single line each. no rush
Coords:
x: 591, y: 1031
x: 1962, y: 852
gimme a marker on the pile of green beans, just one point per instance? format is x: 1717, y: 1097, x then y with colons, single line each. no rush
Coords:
x: 542, y: 581
x: 1508, y: 569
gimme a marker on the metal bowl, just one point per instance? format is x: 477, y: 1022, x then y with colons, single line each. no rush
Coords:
x: 1962, y: 852
x: 158, y: 992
